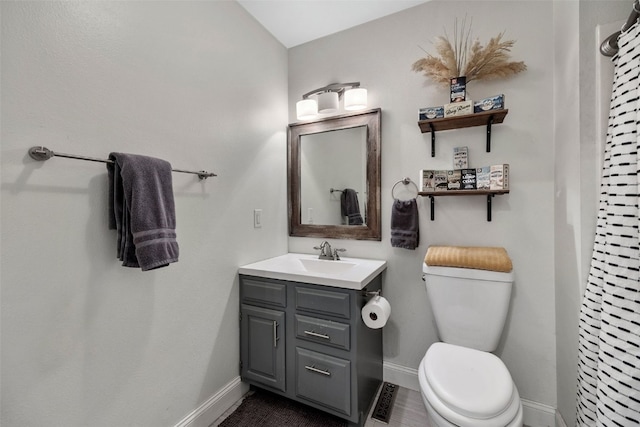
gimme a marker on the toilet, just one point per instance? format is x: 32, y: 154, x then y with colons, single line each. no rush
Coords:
x: 462, y: 383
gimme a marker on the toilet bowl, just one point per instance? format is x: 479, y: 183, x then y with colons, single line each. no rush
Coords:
x: 467, y: 388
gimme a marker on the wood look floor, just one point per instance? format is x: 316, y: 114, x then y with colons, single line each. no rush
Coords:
x: 408, y: 411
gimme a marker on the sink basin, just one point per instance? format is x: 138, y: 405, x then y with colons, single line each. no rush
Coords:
x: 326, y: 266
x: 348, y: 273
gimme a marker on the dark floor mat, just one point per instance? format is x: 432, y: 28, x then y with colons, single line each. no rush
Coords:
x: 265, y: 409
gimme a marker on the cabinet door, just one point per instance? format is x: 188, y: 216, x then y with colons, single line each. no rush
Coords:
x: 262, y: 344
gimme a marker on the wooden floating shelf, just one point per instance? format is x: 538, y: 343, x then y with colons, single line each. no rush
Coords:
x: 486, y: 118
x: 466, y: 121
x: 463, y: 193
x: 489, y: 193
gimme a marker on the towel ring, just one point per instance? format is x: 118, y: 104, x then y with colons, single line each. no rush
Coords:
x: 405, y: 181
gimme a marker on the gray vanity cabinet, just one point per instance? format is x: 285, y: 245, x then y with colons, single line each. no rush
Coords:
x: 308, y: 343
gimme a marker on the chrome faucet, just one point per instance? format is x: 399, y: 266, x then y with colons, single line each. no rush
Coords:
x: 325, y: 250
x: 327, y: 253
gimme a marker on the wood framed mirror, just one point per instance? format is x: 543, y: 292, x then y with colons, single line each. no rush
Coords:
x: 333, y: 167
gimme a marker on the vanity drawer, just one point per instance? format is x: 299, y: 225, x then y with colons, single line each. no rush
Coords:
x: 324, y: 379
x: 260, y: 290
x: 323, y: 331
x: 321, y: 301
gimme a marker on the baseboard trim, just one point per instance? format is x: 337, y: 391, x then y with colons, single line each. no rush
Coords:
x: 535, y: 414
x: 205, y: 414
x: 400, y: 375
x: 538, y: 414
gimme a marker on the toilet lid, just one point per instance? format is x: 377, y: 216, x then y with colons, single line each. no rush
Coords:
x: 472, y: 383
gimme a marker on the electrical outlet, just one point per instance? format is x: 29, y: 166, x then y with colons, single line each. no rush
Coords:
x: 257, y: 218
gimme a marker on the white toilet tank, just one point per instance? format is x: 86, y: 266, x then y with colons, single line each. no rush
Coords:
x: 470, y: 306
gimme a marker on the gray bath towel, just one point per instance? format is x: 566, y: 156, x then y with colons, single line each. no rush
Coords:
x: 350, y: 207
x: 142, y: 210
x: 405, y: 232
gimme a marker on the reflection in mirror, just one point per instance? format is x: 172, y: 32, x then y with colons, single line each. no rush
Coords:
x: 334, y: 177
x: 334, y: 195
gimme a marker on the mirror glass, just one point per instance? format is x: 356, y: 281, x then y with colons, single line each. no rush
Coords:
x: 338, y: 195
x: 334, y: 177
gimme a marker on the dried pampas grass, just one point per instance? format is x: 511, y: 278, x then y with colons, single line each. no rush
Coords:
x: 470, y: 59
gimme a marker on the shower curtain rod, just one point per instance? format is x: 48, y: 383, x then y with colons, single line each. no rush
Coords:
x: 43, y: 153
x: 609, y: 46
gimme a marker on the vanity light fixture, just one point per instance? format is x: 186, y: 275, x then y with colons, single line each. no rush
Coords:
x: 306, y: 109
x: 355, y: 99
x: 327, y: 100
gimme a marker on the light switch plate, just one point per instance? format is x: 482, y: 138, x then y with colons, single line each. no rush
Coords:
x: 257, y: 218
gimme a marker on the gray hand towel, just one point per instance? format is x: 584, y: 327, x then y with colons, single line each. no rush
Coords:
x: 142, y: 210
x: 405, y: 231
x: 350, y: 207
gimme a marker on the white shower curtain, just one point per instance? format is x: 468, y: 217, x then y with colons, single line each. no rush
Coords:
x: 609, y: 326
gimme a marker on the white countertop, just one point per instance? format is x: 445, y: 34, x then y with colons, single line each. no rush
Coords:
x: 356, y: 274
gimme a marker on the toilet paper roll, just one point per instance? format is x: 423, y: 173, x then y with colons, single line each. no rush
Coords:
x: 376, y: 312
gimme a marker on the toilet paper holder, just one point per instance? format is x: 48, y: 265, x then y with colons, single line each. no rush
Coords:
x: 376, y: 310
x: 371, y: 293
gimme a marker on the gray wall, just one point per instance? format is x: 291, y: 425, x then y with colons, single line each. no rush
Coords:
x: 379, y: 55
x: 86, y: 342
x: 547, y: 221
x: 567, y: 204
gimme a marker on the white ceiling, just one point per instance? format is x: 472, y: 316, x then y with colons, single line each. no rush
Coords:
x: 294, y: 22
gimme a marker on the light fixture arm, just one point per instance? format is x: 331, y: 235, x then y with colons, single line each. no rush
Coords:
x: 333, y: 87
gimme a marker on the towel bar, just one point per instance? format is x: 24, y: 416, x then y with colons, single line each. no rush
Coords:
x: 43, y: 153
x: 335, y: 190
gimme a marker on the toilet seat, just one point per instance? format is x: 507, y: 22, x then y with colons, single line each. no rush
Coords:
x: 469, y: 387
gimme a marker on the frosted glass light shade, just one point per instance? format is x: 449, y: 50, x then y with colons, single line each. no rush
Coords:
x: 306, y: 109
x: 355, y: 99
x: 327, y: 102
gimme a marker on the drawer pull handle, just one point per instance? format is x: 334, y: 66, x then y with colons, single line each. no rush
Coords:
x: 275, y: 334
x: 317, y: 335
x: 318, y: 371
